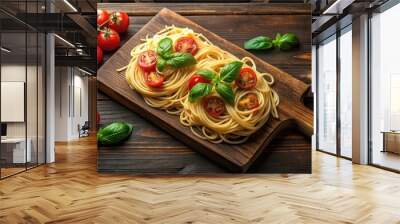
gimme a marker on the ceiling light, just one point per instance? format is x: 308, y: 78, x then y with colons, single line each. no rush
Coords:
x: 84, y: 71
x: 64, y: 40
x: 5, y: 50
x: 70, y: 5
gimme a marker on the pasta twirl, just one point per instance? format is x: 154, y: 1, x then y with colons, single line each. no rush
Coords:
x: 237, y: 121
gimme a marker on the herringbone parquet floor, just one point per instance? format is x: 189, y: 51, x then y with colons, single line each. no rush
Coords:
x: 71, y: 191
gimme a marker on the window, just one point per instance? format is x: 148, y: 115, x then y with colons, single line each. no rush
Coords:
x: 345, y: 43
x: 334, y: 109
x: 326, y: 95
x: 385, y: 88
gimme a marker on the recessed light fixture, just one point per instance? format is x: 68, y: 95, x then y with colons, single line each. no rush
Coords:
x: 64, y: 40
x: 70, y: 5
x: 5, y: 50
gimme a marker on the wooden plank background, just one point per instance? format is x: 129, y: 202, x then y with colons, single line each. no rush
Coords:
x: 150, y: 150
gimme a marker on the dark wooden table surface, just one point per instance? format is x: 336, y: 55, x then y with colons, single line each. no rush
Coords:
x: 150, y: 150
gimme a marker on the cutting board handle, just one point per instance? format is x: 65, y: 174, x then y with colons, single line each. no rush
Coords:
x: 304, y: 119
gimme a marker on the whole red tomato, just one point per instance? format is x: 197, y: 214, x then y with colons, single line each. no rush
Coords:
x: 102, y: 17
x: 119, y: 21
x: 99, y: 55
x: 108, y: 39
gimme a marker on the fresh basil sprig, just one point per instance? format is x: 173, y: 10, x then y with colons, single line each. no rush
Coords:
x: 229, y: 72
x: 179, y: 60
x: 199, y: 90
x: 161, y: 63
x: 167, y: 57
x: 285, y: 42
x: 207, y: 74
x: 226, y: 92
x: 259, y: 43
x: 114, y: 133
x: 164, y: 47
x: 222, y: 84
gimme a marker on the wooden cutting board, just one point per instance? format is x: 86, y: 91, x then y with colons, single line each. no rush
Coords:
x: 237, y: 158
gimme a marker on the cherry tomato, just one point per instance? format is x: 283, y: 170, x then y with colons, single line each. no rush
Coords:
x: 248, y: 102
x: 154, y: 80
x: 119, y: 22
x: 102, y: 17
x: 108, y: 39
x: 247, y: 78
x: 147, y: 61
x: 196, y: 79
x: 214, y: 106
x: 186, y: 44
x: 99, y: 55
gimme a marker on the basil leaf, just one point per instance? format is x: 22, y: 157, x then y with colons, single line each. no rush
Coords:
x: 114, y: 133
x: 230, y: 71
x: 259, y: 43
x: 226, y: 92
x: 161, y: 64
x: 287, y: 41
x: 199, y: 90
x: 179, y: 60
x: 207, y: 74
x: 164, y: 47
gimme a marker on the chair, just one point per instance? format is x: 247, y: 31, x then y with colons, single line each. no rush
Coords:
x: 84, y: 130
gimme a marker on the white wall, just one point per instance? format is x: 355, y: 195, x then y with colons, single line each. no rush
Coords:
x: 16, y: 73
x: 70, y: 83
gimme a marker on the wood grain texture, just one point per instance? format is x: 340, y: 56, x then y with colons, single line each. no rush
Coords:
x: 285, y: 147
x: 235, y: 157
x: 153, y: 151
x: 72, y: 191
x: 135, y: 9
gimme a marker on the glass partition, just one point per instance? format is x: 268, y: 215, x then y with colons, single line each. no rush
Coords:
x: 14, y: 153
x: 22, y: 77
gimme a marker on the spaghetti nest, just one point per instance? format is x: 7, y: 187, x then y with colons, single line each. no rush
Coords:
x: 237, y: 121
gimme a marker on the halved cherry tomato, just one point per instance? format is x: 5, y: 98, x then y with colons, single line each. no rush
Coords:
x: 248, y: 102
x: 214, y: 106
x: 147, y: 61
x: 153, y: 79
x: 197, y: 79
x: 119, y: 21
x: 186, y: 44
x: 247, y: 78
x: 108, y: 39
x: 102, y: 17
x: 99, y: 55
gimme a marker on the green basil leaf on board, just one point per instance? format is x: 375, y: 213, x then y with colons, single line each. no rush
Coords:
x: 207, y: 74
x: 230, y: 71
x: 226, y: 92
x: 259, y: 43
x: 164, y: 47
x: 161, y: 63
x: 286, y: 42
x: 114, y: 133
x: 179, y: 60
x: 199, y: 90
